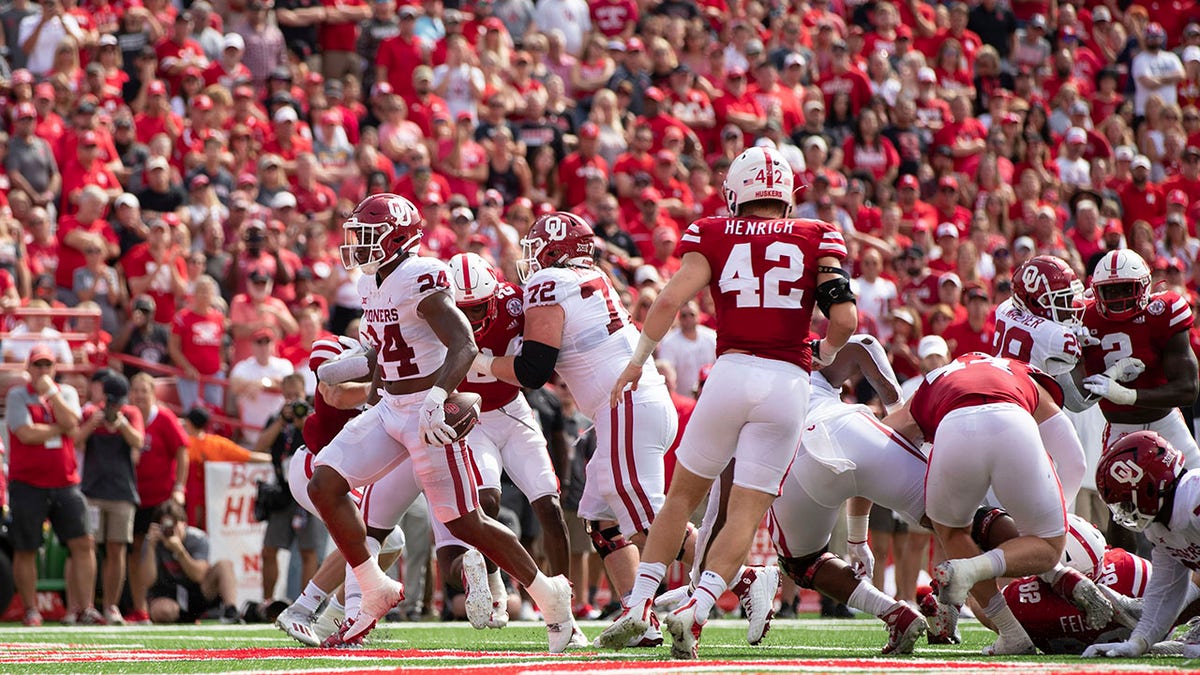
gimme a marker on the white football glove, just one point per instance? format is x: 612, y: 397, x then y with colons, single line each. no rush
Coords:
x: 1131, y: 648
x: 351, y: 364
x: 861, y: 559
x: 1084, y: 336
x: 432, y: 426
x: 1127, y: 369
x: 1107, y: 387
x: 822, y: 353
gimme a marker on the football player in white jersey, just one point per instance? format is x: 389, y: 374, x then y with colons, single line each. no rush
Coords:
x: 576, y: 325
x: 424, y: 347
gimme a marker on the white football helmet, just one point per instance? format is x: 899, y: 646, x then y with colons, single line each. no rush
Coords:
x: 758, y: 173
x: 1122, y: 284
x: 1085, y: 545
x: 475, y: 287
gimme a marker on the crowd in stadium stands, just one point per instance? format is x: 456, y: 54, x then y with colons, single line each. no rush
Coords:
x: 181, y: 177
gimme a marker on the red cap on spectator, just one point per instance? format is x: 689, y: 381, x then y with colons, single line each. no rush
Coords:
x: 89, y: 138
x: 908, y: 181
x: 976, y: 293
x: 247, y: 179
x: 156, y: 88
x: 481, y: 239
x: 1177, y: 198
x: 634, y: 44
x: 1011, y: 118
x: 672, y: 133
x: 244, y: 91
x: 24, y: 110
x: 589, y: 130
x: 735, y: 73
x: 45, y: 91
x: 331, y: 117
x: 651, y: 195
x: 903, y: 32
x: 493, y: 23
x: 1113, y: 227
x: 202, y: 102
x: 263, y: 333
x: 42, y: 352
x: 170, y: 219
x: 382, y: 89
x: 493, y: 196
x: 665, y: 157
x: 315, y: 78
x: 193, y: 71
x: 464, y: 115
x: 543, y: 208
x: 22, y: 76
x: 948, y: 182
x: 433, y: 197
x: 655, y: 94
x: 519, y: 202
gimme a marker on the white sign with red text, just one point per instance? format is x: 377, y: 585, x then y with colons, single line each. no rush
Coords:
x: 234, y: 535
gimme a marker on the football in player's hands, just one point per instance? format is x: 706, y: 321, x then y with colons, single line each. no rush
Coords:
x: 462, y: 412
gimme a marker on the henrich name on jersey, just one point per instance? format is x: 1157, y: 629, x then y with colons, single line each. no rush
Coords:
x: 752, y: 228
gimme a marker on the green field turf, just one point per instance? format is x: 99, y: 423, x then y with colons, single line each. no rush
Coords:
x: 198, y: 649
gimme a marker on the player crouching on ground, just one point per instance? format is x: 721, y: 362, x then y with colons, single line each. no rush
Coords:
x: 981, y: 413
x: 1142, y: 479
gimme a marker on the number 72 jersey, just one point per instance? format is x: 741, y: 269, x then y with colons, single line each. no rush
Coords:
x: 598, y: 336
x: 764, y: 280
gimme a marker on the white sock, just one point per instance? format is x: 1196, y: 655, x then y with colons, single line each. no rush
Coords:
x: 867, y: 598
x: 499, y: 591
x: 711, y: 586
x: 310, y: 599
x: 998, y: 611
x: 353, y: 591
x: 649, y: 576
x: 1054, y: 574
x: 541, y: 591
x: 335, y: 604
x: 987, y: 566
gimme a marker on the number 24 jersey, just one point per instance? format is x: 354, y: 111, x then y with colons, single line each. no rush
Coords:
x: 764, y: 280
x: 406, y: 345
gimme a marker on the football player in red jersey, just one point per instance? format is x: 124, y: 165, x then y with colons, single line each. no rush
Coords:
x: 981, y: 413
x: 1126, y: 318
x: 506, y: 439
x: 424, y: 348
x: 767, y: 273
x: 1142, y: 479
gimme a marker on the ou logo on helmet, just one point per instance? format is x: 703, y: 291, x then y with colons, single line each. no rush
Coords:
x: 556, y: 228
x: 400, y: 210
x: 1032, y: 278
x: 1126, y: 471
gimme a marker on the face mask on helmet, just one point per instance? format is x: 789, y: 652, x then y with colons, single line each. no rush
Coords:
x: 1117, y: 298
x: 1127, y: 515
x: 362, y: 247
x: 480, y: 314
x: 1066, y: 306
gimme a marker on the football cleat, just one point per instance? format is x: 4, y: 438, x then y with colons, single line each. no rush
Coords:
x: 560, y: 625
x: 1191, y: 636
x: 499, y: 616
x: 632, y: 623
x: 32, y: 619
x: 139, y: 617
x: 1127, y: 611
x: 298, y: 624
x: 684, y: 630
x: 329, y: 621
x: 1011, y: 645
x: 651, y: 638
x: 478, y: 593
x: 91, y: 617
x: 905, y: 626
x: 672, y: 599
x: 942, y: 619
x: 375, y: 605
x: 1080, y: 591
x: 112, y: 616
x: 338, y: 640
x: 578, y: 639
x: 950, y: 583
x: 756, y: 592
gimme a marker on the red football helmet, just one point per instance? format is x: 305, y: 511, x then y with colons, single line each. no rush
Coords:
x: 381, y: 228
x: 1046, y: 286
x: 1122, y: 284
x: 1133, y: 476
x: 558, y: 239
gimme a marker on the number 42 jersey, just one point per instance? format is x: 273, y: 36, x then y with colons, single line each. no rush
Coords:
x: 764, y: 280
x: 598, y: 337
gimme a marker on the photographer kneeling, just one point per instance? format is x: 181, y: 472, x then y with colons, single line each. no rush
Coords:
x: 287, y: 522
x: 183, y: 583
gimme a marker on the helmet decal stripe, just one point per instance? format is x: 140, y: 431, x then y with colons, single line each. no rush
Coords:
x: 1114, y: 263
x: 770, y: 169
x: 466, y: 268
x: 1084, y: 545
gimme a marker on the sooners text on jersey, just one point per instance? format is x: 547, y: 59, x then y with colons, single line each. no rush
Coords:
x: 598, y: 336
x: 1144, y: 336
x: 405, y: 343
x: 976, y: 379
x: 1055, y: 625
x: 764, y: 280
x: 501, y: 337
x: 1040, y: 342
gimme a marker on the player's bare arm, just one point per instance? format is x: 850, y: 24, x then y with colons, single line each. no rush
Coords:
x: 452, y: 328
x: 901, y: 421
x: 346, y: 395
x: 693, y: 275
x: 540, y: 343
x: 866, y: 354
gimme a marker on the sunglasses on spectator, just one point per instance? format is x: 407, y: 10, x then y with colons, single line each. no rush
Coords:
x: 42, y: 364
x: 263, y: 341
x: 91, y: 251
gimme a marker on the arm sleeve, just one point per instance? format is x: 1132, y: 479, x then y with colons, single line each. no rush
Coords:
x: 16, y: 411
x: 1164, y: 597
x: 1073, y: 399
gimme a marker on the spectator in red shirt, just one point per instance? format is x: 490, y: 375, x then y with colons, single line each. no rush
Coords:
x: 575, y: 167
x: 79, y: 232
x: 400, y: 55
x: 178, y: 52
x: 157, y: 269
x: 974, y: 333
x: 229, y: 71
x: 1141, y: 199
x: 337, y: 36
x: 737, y: 106
x: 1087, y: 235
x: 868, y: 150
x: 845, y: 78
x: 87, y: 169
x: 195, y: 346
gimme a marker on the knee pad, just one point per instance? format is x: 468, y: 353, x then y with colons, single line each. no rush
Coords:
x: 606, y: 541
x: 802, y: 570
x: 691, y: 531
x: 984, y: 518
